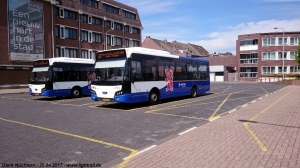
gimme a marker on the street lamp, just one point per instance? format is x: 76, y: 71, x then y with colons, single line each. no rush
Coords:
x: 106, y: 38
x: 282, y: 49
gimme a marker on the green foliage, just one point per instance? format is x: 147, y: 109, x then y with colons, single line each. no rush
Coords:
x: 297, y: 57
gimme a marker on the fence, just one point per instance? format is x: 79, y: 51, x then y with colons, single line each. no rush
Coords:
x: 265, y: 79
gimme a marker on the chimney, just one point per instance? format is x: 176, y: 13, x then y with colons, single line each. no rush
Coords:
x: 147, y: 36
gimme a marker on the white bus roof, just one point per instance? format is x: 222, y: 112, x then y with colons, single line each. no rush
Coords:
x: 69, y: 60
x: 142, y: 50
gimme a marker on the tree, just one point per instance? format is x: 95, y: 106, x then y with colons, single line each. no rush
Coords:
x: 297, y: 57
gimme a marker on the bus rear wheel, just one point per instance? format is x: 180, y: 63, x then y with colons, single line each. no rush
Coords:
x: 194, y: 92
x: 76, y: 92
x: 154, y: 97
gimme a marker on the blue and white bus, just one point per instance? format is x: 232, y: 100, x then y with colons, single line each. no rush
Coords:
x: 61, y: 76
x: 132, y: 75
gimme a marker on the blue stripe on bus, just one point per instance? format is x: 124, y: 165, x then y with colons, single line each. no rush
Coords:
x: 179, y: 90
x: 63, y: 92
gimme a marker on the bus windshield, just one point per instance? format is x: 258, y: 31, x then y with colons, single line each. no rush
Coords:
x: 112, y: 70
x: 39, y: 74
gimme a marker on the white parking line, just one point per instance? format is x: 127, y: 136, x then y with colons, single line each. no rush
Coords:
x: 187, y: 131
x: 144, y: 150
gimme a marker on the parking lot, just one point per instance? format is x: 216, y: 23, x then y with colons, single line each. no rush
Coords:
x: 38, y: 130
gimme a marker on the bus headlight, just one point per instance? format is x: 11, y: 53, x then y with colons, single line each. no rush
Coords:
x: 119, y: 93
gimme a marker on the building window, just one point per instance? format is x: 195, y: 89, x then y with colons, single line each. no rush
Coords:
x: 135, y: 30
x: 84, y: 54
x: 135, y: 43
x: 93, y: 55
x: 268, y: 70
x: 129, y: 15
x: 96, y: 21
x: 92, y: 3
x: 248, y: 58
x: 56, y: 11
x: 57, y: 31
x: 107, y: 23
x: 69, y: 52
x: 126, y: 28
x: 96, y: 38
x: 70, y: 33
x: 66, y: 52
x: 294, y: 40
x: 111, y: 9
x: 280, y: 41
x: 84, y: 18
x: 280, y: 55
x: 69, y: 14
x: 294, y: 69
x: 108, y: 39
x: 117, y: 26
x: 293, y: 55
x: 118, y: 41
x: 248, y: 72
x: 268, y: 56
x: 57, y: 52
x: 84, y: 35
x: 280, y: 70
x: 126, y: 42
x: 249, y: 42
x: 269, y: 41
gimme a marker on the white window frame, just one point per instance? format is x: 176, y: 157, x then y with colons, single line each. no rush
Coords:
x: 61, y: 13
x: 112, y: 42
x: 90, y: 36
x: 62, y: 32
x: 112, y: 25
x: 89, y: 19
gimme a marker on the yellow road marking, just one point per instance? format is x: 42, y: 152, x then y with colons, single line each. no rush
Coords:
x: 226, y: 89
x: 212, y: 116
x: 260, y: 144
x: 122, y: 164
x: 176, y: 107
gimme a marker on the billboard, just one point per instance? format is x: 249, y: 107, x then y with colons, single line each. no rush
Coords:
x: 26, y: 30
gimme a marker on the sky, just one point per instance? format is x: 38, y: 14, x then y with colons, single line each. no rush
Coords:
x: 214, y: 24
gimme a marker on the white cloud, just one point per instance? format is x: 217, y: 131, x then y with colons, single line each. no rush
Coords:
x: 226, y: 40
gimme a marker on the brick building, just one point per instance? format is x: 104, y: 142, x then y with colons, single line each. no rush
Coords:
x: 261, y: 54
x: 35, y: 29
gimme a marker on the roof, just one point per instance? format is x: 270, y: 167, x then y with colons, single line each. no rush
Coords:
x: 179, y: 48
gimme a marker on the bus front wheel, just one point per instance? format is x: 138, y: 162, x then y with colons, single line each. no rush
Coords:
x: 194, y: 92
x: 154, y: 97
x: 76, y: 92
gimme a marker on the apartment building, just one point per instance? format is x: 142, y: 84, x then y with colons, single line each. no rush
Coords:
x: 262, y: 54
x: 37, y: 29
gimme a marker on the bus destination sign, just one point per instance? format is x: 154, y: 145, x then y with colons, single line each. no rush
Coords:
x: 111, y: 54
x: 41, y: 63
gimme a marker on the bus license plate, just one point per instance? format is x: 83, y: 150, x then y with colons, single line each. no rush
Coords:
x: 37, y: 94
x: 106, y: 100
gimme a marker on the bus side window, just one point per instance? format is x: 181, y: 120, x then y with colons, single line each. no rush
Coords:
x: 136, y: 72
x: 58, y: 74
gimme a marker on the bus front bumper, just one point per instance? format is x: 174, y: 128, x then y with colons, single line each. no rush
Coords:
x: 125, y: 98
